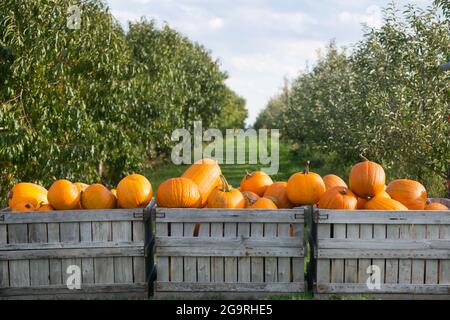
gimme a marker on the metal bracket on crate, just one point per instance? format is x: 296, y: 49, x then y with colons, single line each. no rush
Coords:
x: 160, y: 215
x: 138, y: 215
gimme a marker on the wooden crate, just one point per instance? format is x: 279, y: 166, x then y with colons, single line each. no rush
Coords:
x: 411, y: 248
x: 236, y: 252
x: 36, y: 248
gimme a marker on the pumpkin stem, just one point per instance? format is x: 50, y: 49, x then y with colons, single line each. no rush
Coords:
x: 343, y: 191
x: 9, y: 195
x: 363, y: 158
x: 248, y: 174
x: 306, y: 170
x: 273, y: 199
x: 225, y: 186
x: 247, y: 198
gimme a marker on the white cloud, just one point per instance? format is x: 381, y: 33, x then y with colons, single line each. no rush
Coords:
x: 216, y: 23
x: 372, y: 17
x: 125, y: 16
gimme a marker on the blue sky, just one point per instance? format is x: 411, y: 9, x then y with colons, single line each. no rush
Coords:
x: 259, y: 42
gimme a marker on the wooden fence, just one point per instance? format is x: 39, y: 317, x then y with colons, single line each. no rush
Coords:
x: 236, y: 251
x: 410, y: 248
x: 37, y: 250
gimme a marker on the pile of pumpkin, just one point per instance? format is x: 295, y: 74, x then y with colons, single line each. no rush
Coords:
x: 133, y: 191
x: 202, y: 185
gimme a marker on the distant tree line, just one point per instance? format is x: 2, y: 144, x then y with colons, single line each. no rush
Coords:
x: 385, y: 98
x: 95, y: 103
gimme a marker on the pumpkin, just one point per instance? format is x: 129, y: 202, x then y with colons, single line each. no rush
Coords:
x: 97, y: 196
x: 81, y: 187
x: 332, y: 181
x: 27, y: 192
x: 263, y: 203
x: 178, y: 193
x: 45, y: 207
x: 226, y: 197
x: 63, y: 195
x: 205, y: 173
x: 409, y: 192
x: 23, y: 206
x: 256, y: 182
x: 250, y: 198
x: 338, y: 198
x: 382, y: 203
x: 277, y: 193
x: 367, y: 179
x: 362, y: 201
x: 134, y: 191
x: 436, y: 206
x: 305, y: 188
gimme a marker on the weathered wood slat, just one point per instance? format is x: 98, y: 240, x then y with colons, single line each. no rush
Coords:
x: 190, y: 262
x: 4, y: 269
x: 379, y: 232
x: 418, y: 232
x: 138, y: 262
x: 444, y: 271
x: 284, y: 264
x: 217, y: 263
x: 162, y: 263
x: 176, y: 263
x: 224, y: 215
x: 388, y: 244
x: 383, y: 217
x: 257, y: 263
x: 337, y: 265
x: 87, y: 264
x: 19, y: 270
x: 392, y: 232
x: 351, y: 265
x: 55, y: 264
x: 72, y: 216
x: 230, y: 262
x: 298, y: 267
x: 383, y: 253
x: 231, y: 287
x: 204, y: 263
x: 270, y: 266
x: 365, y: 232
x: 432, y: 266
x: 244, y: 274
x: 385, y: 288
x: 123, y: 266
x: 103, y: 267
x: 323, y: 271
x: 39, y: 268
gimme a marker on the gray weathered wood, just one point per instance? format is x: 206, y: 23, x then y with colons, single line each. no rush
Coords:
x: 284, y: 264
x: 230, y: 262
x: 204, y: 263
x: 72, y: 216
x: 379, y: 233
x: 244, y: 273
x: 298, y: 267
x: 323, y: 270
x: 39, y: 268
x: 432, y: 265
x: 19, y: 270
x: 55, y: 264
x: 103, y: 267
x: 227, y: 287
x: 224, y: 215
x: 404, y: 265
x: 123, y: 266
x: 4, y: 269
x: 337, y: 265
x: 257, y: 263
x: 385, y: 288
x: 190, y: 261
x: 351, y: 265
x: 87, y: 264
x: 162, y: 263
x: 270, y: 262
x: 384, y: 217
x: 444, y: 271
x: 365, y: 232
x: 392, y: 232
x: 418, y: 232
x: 138, y: 261
x: 176, y: 263
x: 217, y: 263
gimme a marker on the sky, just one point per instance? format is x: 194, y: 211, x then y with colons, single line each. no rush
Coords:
x: 261, y: 42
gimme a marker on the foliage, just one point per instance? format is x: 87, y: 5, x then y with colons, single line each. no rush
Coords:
x: 93, y: 103
x: 387, y: 99
x: 233, y: 113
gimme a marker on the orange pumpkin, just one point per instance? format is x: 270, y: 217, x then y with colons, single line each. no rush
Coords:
x: 409, y: 192
x: 263, y: 203
x: 23, y: 206
x: 277, y: 193
x: 332, y: 181
x: 206, y: 175
x: 362, y: 201
x: 97, y: 196
x: 436, y: 206
x: 250, y: 198
x: 305, y: 188
x: 178, y: 193
x: 256, y: 182
x: 367, y: 179
x: 226, y: 197
x: 63, y: 195
x: 338, y: 198
x: 27, y: 192
x: 81, y: 187
x: 134, y: 191
x: 382, y: 203
x: 45, y: 207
